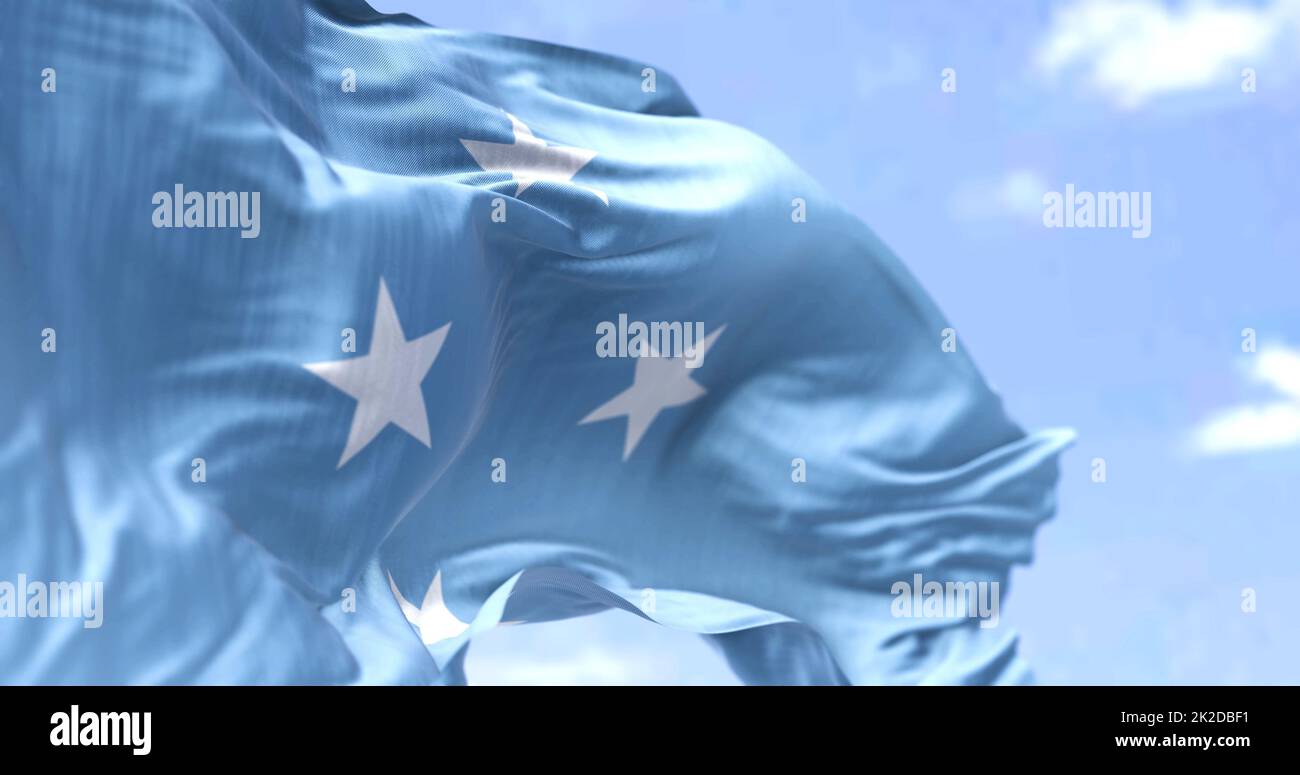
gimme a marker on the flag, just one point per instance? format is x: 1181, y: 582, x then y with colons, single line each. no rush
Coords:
x: 334, y: 339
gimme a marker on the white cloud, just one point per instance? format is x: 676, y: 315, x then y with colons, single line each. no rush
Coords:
x: 1017, y: 194
x: 1132, y: 50
x: 610, y: 648
x: 586, y: 666
x: 1251, y: 427
x: 1280, y: 368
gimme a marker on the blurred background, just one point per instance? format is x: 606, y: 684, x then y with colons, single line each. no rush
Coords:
x: 1136, y: 343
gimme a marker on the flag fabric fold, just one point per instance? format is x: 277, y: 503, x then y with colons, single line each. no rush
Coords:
x: 320, y: 360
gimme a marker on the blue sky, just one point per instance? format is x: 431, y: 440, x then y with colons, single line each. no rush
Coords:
x: 1136, y: 343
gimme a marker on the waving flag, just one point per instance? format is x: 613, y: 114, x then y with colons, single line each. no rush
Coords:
x: 333, y: 339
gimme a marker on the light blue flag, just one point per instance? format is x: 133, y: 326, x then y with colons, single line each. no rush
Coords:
x: 320, y: 357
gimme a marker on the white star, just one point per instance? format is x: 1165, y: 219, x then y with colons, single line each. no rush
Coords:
x: 657, y: 384
x: 433, y: 618
x: 529, y: 159
x: 385, y: 381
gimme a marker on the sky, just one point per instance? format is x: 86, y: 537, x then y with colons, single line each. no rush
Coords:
x: 1137, y: 343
